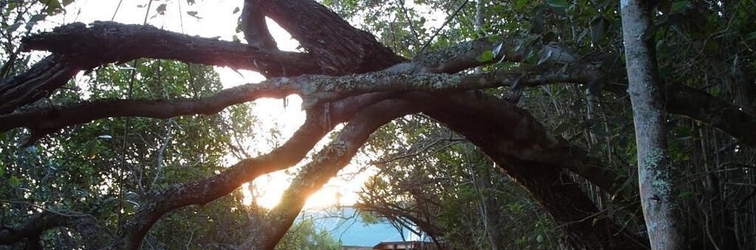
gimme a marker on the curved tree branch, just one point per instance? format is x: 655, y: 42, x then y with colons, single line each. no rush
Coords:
x: 43, y: 79
x: 331, y: 159
x: 255, y: 27
x: 79, y: 47
x: 84, y: 224
x: 160, y: 202
x: 518, y: 144
x: 701, y: 106
x: 123, y: 43
x: 109, y: 42
x: 526, y: 152
x: 337, y: 47
x: 315, y: 90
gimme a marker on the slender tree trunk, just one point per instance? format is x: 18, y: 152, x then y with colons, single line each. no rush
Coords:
x: 645, y: 91
x: 488, y: 205
x: 479, y: 25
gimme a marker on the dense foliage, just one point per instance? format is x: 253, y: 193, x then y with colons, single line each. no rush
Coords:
x: 101, y: 169
x: 466, y: 168
x: 700, y: 44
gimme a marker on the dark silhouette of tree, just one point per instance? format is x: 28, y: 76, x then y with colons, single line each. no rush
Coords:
x: 345, y: 76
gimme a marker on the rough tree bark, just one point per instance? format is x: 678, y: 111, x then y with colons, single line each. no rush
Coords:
x: 646, y: 89
x: 509, y: 135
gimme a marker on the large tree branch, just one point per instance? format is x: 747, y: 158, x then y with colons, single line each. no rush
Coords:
x: 160, y: 202
x: 535, y: 159
x: 338, y: 47
x: 701, y: 106
x: 107, y: 42
x: 79, y: 47
x: 49, y: 120
x: 315, y: 89
x: 444, y: 61
x: 521, y: 136
x: 255, y: 27
x: 86, y: 52
x: 331, y: 159
x: 84, y: 224
x: 43, y: 79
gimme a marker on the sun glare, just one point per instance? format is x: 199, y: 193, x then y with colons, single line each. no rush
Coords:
x: 277, y: 121
x: 267, y: 192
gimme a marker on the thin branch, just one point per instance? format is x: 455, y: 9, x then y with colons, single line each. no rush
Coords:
x: 442, y: 26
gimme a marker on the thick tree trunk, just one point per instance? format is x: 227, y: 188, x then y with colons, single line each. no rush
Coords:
x: 656, y: 189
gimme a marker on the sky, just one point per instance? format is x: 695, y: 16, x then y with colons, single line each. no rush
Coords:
x: 216, y: 18
x: 348, y: 227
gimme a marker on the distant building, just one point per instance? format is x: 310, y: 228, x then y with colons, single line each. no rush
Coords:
x: 405, y: 245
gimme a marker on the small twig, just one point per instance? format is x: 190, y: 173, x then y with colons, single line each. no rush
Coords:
x: 442, y: 27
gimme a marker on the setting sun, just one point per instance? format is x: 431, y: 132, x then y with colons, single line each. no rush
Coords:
x: 328, y: 196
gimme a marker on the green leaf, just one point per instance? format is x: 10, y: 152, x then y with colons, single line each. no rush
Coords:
x: 561, y: 4
x: 685, y: 195
x: 53, y: 6
x: 750, y: 36
x: 680, y: 6
x: 562, y: 127
x: 486, y: 56
x: 545, y: 57
x: 532, y: 57
x: 90, y: 149
x: 521, y: 4
x: 537, y: 23
x: 14, y: 181
x: 650, y: 33
x: 582, y: 35
x: 14, y: 27
x: 598, y: 29
x: 494, y: 38
x: 38, y: 17
x: 548, y: 36
x: 601, y: 4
